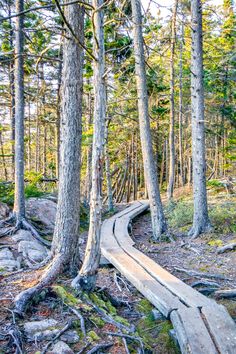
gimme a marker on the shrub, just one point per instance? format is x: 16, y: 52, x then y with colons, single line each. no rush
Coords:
x: 179, y: 214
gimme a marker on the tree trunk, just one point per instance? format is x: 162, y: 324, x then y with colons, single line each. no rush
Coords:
x: 66, y: 233
x: 108, y: 170
x: 3, y: 157
x: 158, y: 220
x: 87, y: 276
x: 19, y: 202
x: 170, y: 188
x: 181, y: 163
x: 200, y: 219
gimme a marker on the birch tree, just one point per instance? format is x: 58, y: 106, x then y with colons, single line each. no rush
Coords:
x: 158, y: 219
x: 66, y: 234
x: 87, y: 276
x: 201, y: 221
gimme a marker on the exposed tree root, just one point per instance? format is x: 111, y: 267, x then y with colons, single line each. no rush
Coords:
x: 228, y: 247
x: 84, y: 282
x: 99, y: 347
x: 11, y: 226
x: 22, y: 300
x: 14, y: 335
x: 63, y: 330
x: 225, y: 294
x: 82, y: 322
x: 122, y: 335
x: 195, y: 231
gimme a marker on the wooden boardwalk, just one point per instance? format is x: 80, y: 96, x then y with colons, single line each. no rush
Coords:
x: 202, y: 326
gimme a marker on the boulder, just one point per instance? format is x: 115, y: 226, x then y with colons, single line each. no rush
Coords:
x: 7, y: 261
x: 32, y: 250
x: 23, y: 235
x: 33, y: 327
x: 4, y: 210
x: 9, y: 265
x: 70, y: 337
x: 5, y: 253
x: 61, y: 348
x: 43, y: 211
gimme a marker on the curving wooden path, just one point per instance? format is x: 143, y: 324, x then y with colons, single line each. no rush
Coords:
x: 202, y: 326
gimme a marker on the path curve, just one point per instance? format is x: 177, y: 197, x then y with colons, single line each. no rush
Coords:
x: 201, y: 325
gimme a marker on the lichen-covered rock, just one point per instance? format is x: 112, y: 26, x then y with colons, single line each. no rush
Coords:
x: 4, y: 210
x: 70, y: 337
x: 33, y: 327
x: 61, y: 348
x: 5, y: 253
x: 32, y: 250
x: 42, y: 211
x: 7, y: 261
x: 23, y: 235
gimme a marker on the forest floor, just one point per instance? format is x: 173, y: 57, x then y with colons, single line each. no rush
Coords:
x: 116, y: 303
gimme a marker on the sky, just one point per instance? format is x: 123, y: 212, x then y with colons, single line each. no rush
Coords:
x: 165, y: 5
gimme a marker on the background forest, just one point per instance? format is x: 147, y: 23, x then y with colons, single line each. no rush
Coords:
x: 43, y: 30
x: 104, y: 103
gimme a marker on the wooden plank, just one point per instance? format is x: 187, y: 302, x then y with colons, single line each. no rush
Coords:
x: 192, y: 334
x: 158, y: 295
x: 221, y: 327
x: 187, y: 294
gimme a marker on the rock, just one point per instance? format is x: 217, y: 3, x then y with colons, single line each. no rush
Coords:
x: 157, y: 315
x: 61, y: 348
x: 4, y: 210
x: 23, y: 235
x: 43, y: 211
x: 48, y: 334
x: 70, y: 337
x: 32, y: 250
x: 5, y: 253
x: 7, y: 261
x: 9, y: 265
x: 33, y: 327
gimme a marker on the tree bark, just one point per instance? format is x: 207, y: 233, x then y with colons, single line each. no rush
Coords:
x: 158, y: 220
x: 19, y: 201
x: 181, y: 162
x: 108, y: 170
x: 66, y: 233
x: 86, y: 278
x: 201, y: 221
x: 170, y: 187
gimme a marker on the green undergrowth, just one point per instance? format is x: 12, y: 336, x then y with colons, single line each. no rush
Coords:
x: 222, y: 215
x: 155, y: 334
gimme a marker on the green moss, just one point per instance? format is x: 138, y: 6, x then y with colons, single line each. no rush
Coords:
x: 93, y: 336
x: 66, y: 297
x: 105, y: 305
x: 144, y: 306
x: 121, y: 320
x: 97, y: 320
x: 216, y: 243
x: 165, y: 339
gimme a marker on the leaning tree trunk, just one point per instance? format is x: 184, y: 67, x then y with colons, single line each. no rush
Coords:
x: 200, y: 219
x: 170, y: 188
x: 158, y: 220
x: 87, y: 276
x: 66, y: 234
x: 19, y: 202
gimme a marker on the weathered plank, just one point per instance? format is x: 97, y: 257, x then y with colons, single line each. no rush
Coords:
x: 221, y: 327
x: 187, y: 294
x: 210, y: 331
x: 192, y: 334
x: 157, y: 294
